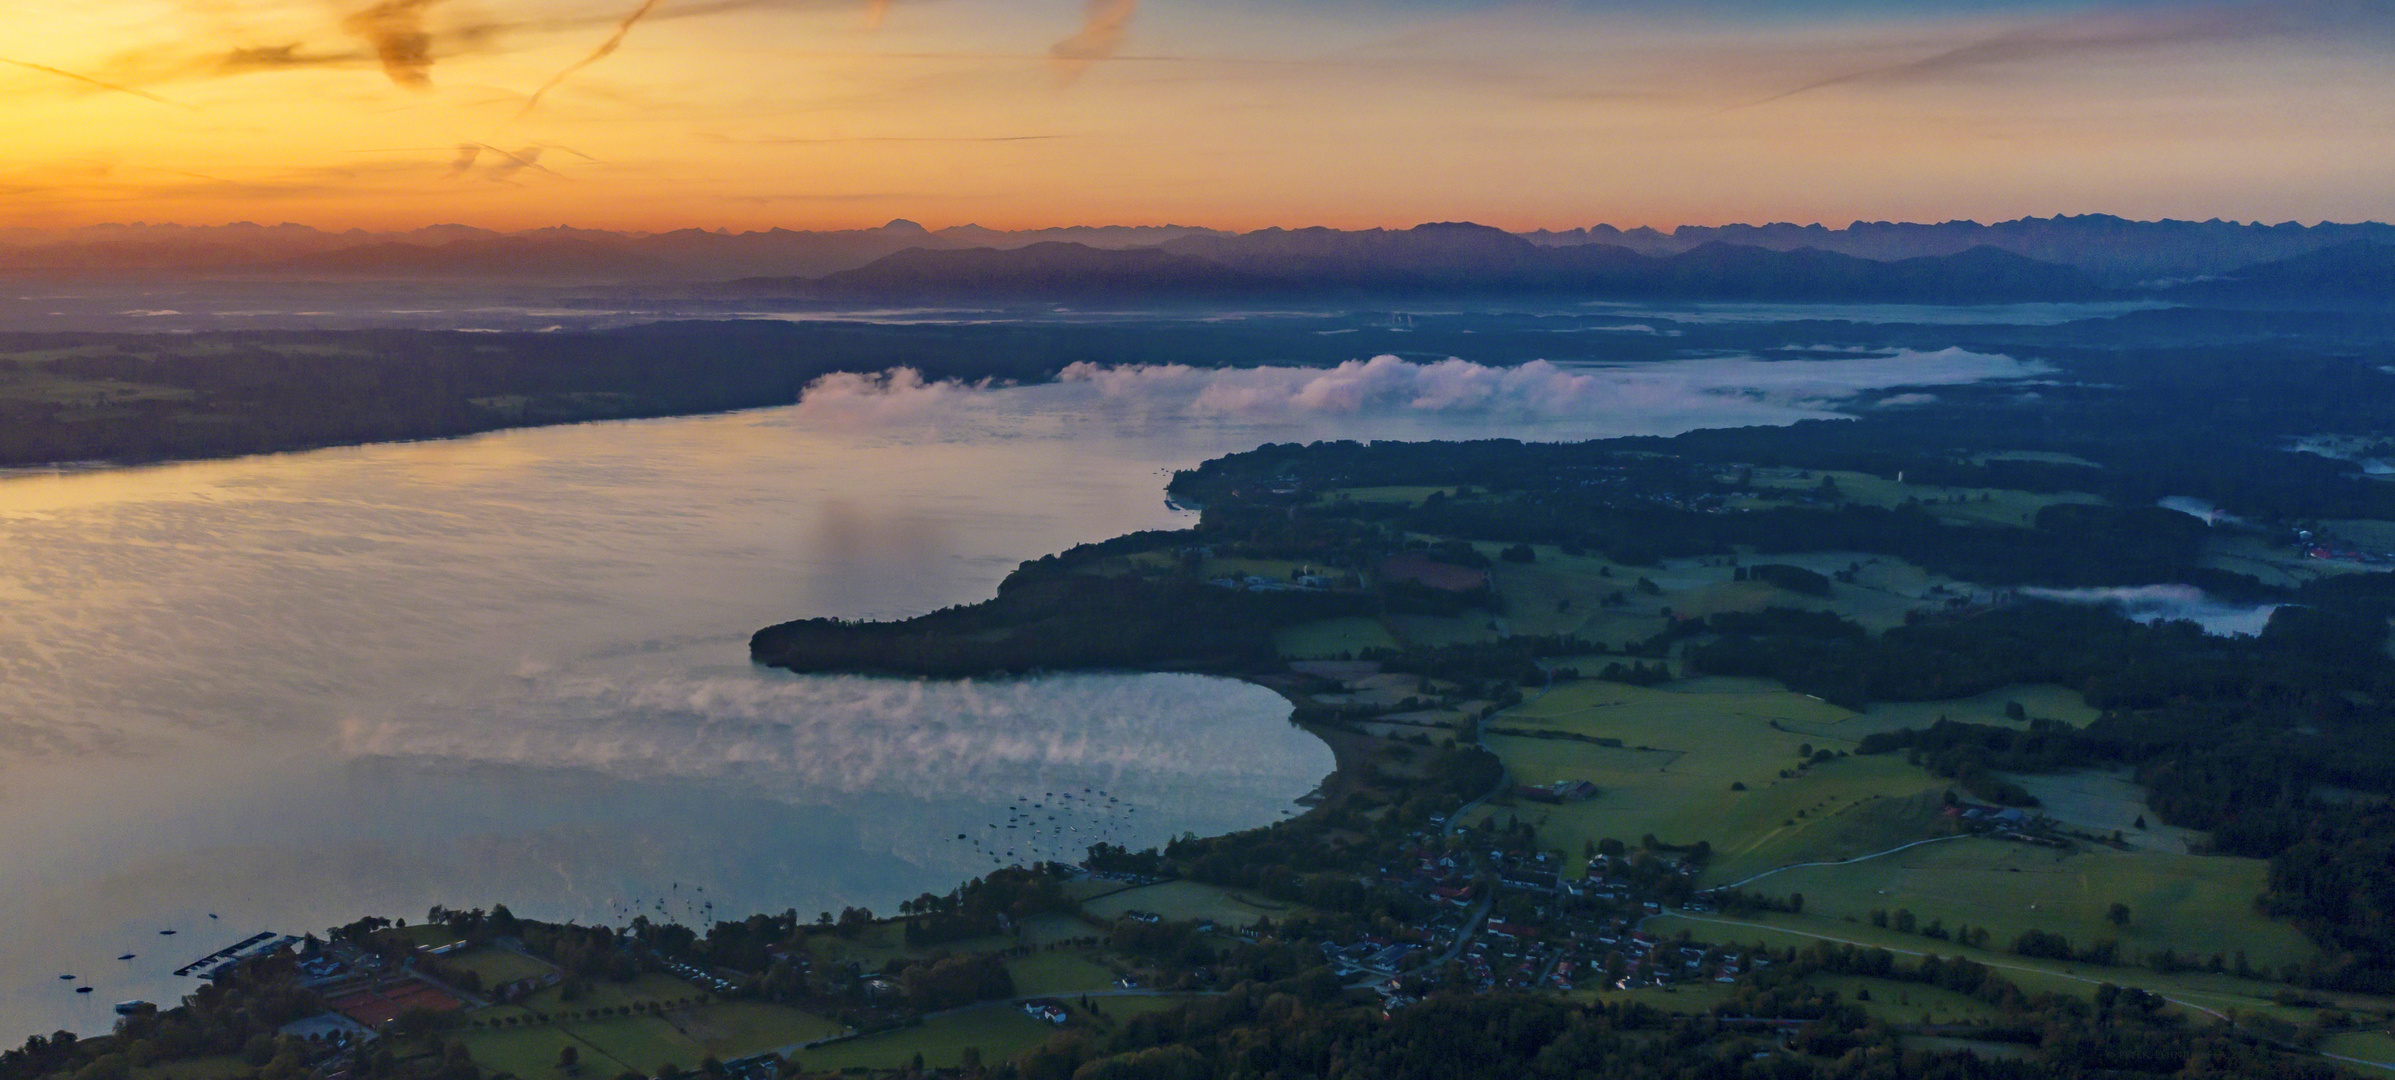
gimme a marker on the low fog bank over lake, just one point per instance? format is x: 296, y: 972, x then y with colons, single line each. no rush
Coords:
x: 2171, y: 603
x: 290, y: 690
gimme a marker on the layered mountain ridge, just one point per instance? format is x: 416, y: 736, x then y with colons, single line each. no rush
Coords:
x: 2090, y: 257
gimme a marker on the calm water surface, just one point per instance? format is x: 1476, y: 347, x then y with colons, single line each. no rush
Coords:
x: 282, y: 692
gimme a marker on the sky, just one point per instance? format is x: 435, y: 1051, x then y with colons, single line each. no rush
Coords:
x: 748, y: 114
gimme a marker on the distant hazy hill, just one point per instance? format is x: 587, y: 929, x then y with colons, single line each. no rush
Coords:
x: 2030, y: 258
x: 688, y: 254
x: 1438, y: 259
x: 547, y: 257
x: 2116, y: 250
x: 2362, y: 272
x: 1446, y: 253
x: 1051, y: 269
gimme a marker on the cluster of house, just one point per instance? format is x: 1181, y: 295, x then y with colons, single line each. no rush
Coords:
x: 1048, y: 1009
x: 2003, y: 823
x: 1578, y: 932
x: 1371, y: 952
x: 1259, y: 583
x: 2352, y: 555
x: 1124, y: 876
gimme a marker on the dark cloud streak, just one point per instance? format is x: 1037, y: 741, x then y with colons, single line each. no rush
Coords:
x: 395, y: 28
x: 613, y: 41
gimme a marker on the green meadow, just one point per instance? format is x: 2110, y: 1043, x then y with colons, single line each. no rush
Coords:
x: 1190, y: 900
x: 997, y: 1031
x: 2189, y: 903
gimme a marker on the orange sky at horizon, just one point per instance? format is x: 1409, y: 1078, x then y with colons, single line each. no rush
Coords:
x: 750, y: 114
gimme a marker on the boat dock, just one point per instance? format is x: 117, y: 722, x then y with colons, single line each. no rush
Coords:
x: 250, y: 948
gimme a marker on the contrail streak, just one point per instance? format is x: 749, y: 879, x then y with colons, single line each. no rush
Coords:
x: 88, y: 80
x: 596, y: 55
x: 2067, y: 39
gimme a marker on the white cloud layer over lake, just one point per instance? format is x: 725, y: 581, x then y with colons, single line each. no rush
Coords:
x: 1709, y: 391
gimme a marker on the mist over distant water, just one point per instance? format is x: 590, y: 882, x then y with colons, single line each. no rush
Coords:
x: 2171, y: 603
x: 294, y: 689
x: 1658, y: 398
x: 2194, y: 507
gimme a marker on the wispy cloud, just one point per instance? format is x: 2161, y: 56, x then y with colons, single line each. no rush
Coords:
x: 1101, y: 37
x: 2107, y: 35
x: 842, y: 140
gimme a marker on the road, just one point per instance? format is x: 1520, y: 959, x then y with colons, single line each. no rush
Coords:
x: 1846, y: 862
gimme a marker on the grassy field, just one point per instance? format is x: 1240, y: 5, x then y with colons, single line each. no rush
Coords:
x: 683, y: 1036
x: 2274, y: 563
x: 1180, y: 900
x: 1534, y: 591
x: 1059, y: 973
x: 1329, y: 639
x: 602, y: 994
x: 1045, y: 929
x: 2217, y: 992
x: 2103, y: 803
x: 495, y: 966
x: 224, y: 1067
x: 883, y: 942
x: 1405, y: 495
x: 998, y: 1031
x: 2375, y: 1046
x: 1997, y: 506
x: 2194, y: 904
x: 644, y: 1043
x: 1564, y: 594
x: 1436, y: 630
x: 2049, y: 456
x: 531, y: 1053
x: 2038, y: 701
x: 1673, y: 774
x: 740, y: 1028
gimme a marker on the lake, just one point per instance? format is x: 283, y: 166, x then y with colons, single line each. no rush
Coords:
x: 281, y: 692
